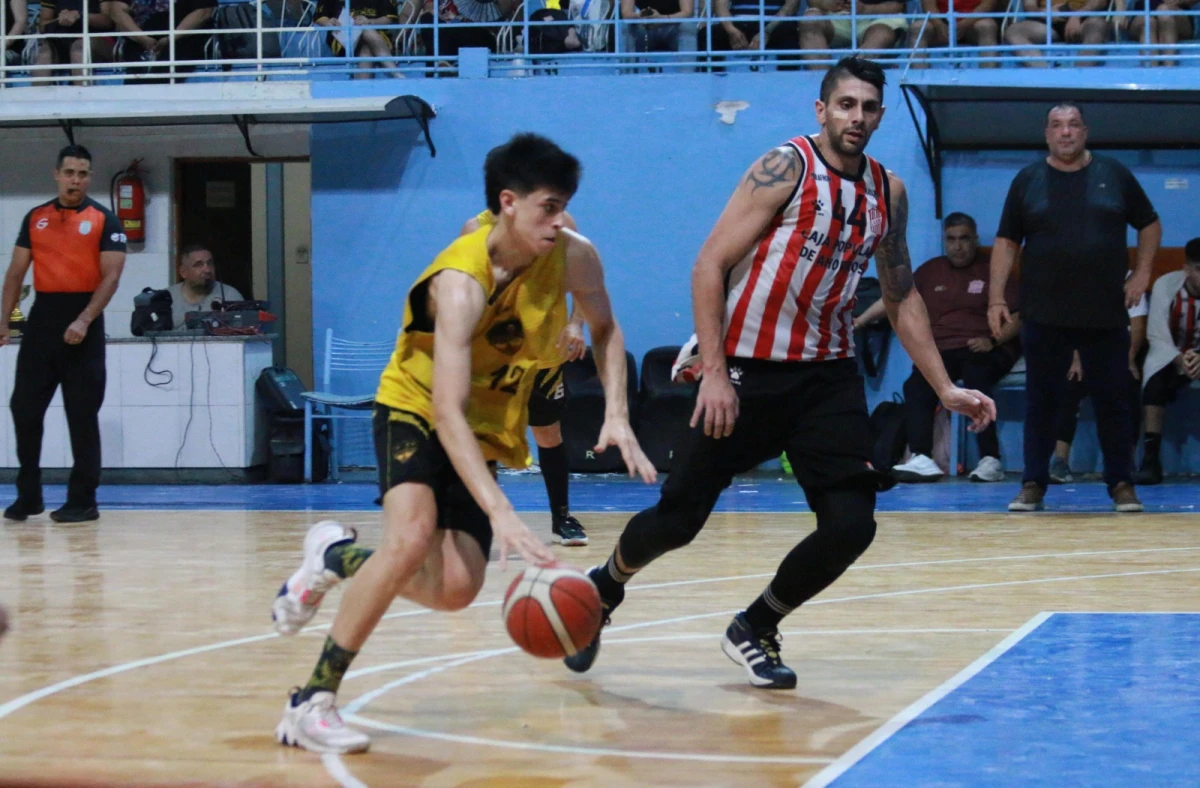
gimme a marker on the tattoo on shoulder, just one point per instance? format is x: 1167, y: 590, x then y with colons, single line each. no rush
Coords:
x: 779, y: 165
x: 892, y: 260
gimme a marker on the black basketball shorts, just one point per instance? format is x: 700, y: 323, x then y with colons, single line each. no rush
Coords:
x: 548, y: 399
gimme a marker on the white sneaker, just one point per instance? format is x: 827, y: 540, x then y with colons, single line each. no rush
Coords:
x: 300, y: 597
x: 316, y: 726
x: 918, y: 469
x: 989, y: 469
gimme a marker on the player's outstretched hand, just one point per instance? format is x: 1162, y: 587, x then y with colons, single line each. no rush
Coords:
x: 571, y: 342
x: 975, y: 405
x: 716, y: 403
x: 617, y: 432
x: 512, y: 535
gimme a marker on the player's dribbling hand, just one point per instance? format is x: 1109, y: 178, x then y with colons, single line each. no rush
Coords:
x: 512, y: 535
x: 975, y: 405
x: 570, y: 341
x: 75, y: 332
x: 717, y: 403
x: 998, y: 317
x: 618, y: 433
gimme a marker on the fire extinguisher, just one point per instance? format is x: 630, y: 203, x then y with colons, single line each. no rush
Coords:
x: 127, y: 197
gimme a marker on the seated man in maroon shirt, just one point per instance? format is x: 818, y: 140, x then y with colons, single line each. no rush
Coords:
x: 955, y: 290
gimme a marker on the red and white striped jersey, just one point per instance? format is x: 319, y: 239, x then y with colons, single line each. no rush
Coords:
x: 1185, y: 320
x: 792, y: 296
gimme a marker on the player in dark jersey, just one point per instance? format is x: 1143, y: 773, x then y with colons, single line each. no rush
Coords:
x: 772, y: 291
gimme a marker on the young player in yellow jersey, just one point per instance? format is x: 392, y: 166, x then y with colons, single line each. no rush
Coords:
x: 547, y: 401
x: 451, y: 404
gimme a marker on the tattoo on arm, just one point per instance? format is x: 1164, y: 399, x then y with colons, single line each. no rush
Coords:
x: 777, y: 166
x: 892, y: 260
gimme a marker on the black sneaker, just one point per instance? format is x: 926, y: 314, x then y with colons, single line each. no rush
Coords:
x: 75, y: 513
x: 758, y: 652
x: 581, y: 661
x: 22, y: 509
x: 569, y: 532
x: 1151, y: 473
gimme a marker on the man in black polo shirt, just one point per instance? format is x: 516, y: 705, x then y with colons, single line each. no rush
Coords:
x: 1071, y: 211
x: 77, y: 249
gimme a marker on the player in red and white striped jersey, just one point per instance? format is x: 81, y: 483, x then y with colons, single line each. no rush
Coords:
x: 773, y: 289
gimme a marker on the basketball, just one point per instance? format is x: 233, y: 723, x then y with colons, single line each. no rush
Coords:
x: 552, y: 611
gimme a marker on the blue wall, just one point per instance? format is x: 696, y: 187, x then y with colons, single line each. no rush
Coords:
x: 658, y: 167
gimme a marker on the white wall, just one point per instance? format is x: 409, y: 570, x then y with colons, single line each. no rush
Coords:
x: 26, y: 180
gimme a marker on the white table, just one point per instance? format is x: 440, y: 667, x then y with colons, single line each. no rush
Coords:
x: 203, y: 415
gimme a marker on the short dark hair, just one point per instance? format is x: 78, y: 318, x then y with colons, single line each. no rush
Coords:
x: 526, y: 163
x: 73, y: 152
x: 1065, y: 105
x: 957, y: 219
x: 1192, y: 251
x: 853, y: 66
x: 192, y: 249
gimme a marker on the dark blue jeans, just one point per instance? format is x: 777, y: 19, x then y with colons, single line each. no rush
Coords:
x: 1104, y: 353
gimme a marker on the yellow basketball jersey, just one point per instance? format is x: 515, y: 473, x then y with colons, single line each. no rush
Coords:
x: 519, y: 327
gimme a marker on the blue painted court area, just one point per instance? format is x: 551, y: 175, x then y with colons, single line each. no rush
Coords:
x: 763, y: 491
x: 1084, y: 699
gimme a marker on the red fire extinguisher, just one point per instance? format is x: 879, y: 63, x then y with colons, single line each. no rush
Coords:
x: 127, y: 197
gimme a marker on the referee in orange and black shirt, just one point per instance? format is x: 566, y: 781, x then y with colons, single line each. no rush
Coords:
x: 77, y: 248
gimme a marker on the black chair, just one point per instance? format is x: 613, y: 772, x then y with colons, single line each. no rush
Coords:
x: 585, y: 415
x: 664, y: 407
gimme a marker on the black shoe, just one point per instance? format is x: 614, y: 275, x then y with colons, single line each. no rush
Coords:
x: 581, y: 661
x: 22, y: 509
x: 569, y: 532
x: 758, y: 653
x: 1151, y: 473
x: 74, y: 513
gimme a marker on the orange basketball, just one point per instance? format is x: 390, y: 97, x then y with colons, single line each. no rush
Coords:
x: 552, y: 611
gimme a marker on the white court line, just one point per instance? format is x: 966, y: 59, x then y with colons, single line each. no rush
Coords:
x: 338, y: 771
x: 888, y: 729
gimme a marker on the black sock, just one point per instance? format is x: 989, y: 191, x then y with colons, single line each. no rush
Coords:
x: 331, y: 667
x: 345, y: 559
x: 554, y: 473
x: 765, y: 613
x: 610, y: 580
x: 1152, y: 444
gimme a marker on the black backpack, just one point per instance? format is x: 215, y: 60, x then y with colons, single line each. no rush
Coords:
x: 887, y: 433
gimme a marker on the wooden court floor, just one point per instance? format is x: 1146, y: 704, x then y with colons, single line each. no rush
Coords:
x: 141, y: 651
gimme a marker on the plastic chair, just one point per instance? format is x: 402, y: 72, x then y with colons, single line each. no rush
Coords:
x: 345, y: 357
x: 664, y: 407
x: 585, y: 414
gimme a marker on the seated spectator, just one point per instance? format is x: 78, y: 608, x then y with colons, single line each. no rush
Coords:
x: 66, y: 16
x: 736, y: 26
x: 151, y: 19
x: 955, y: 290
x: 1163, y: 29
x: 1075, y: 391
x: 453, y: 35
x: 656, y: 37
x: 969, y: 29
x: 199, y: 287
x: 881, y: 25
x: 1174, y: 359
x: 553, y: 39
x: 18, y: 22
x: 1070, y: 29
x: 367, y: 42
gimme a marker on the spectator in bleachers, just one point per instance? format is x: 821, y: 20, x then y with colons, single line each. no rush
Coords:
x: 881, y: 25
x: 954, y: 288
x: 1174, y: 359
x: 66, y: 16
x: 969, y: 29
x: 1031, y: 30
x: 735, y: 26
x: 1163, y: 29
x: 453, y: 34
x: 367, y: 41
x: 18, y: 21
x: 151, y: 20
x: 1075, y: 391
x: 660, y: 37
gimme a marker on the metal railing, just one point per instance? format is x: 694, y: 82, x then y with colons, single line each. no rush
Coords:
x: 290, y: 48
